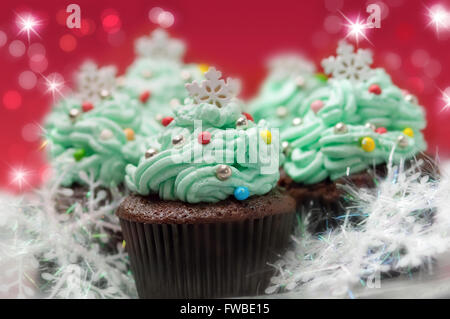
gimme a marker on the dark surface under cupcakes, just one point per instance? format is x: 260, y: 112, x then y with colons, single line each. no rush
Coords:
x: 182, y: 250
x: 323, y: 202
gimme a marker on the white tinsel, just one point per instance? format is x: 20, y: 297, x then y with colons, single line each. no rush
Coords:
x: 396, y: 235
x: 35, y: 235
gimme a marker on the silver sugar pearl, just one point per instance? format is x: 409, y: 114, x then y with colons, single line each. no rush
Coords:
x: 402, y: 141
x: 150, y: 152
x: 300, y: 81
x: 242, y: 122
x: 297, y: 121
x: 340, y: 128
x: 285, y: 147
x: 282, y: 111
x: 411, y: 99
x: 158, y: 117
x: 105, y: 94
x: 74, y: 113
x: 178, y: 140
x: 223, y: 172
x: 370, y: 126
x: 185, y: 75
x: 146, y: 74
x: 106, y: 134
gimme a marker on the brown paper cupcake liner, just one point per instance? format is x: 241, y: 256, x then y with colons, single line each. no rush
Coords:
x: 205, y: 260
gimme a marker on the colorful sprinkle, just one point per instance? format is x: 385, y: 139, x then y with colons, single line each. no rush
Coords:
x: 144, y: 96
x: 248, y: 116
x: 367, y: 144
x: 241, y: 193
x: 106, y: 134
x: 316, y: 106
x: 203, y: 67
x: 79, y: 154
x: 129, y: 133
x: 266, y: 136
x: 375, y: 89
x: 408, y: 132
x: 204, y: 137
x: 381, y: 130
x: 87, y: 106
x: 166, y: 121
x: 321, y: 77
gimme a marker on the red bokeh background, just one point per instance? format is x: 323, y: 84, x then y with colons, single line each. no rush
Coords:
x: 234, y: 35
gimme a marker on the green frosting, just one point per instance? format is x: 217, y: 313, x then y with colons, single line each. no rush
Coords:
x: 316, y: 151
x: 159, y: 71
x: 282, y: 92
x: 187, y: 171
x: 95, y: 141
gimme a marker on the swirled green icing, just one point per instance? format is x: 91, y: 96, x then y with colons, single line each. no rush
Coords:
x: 317, y: 152
x: 282, y: 92
x: 182, y: 173
x: 164, y: 79
x: 104, y: 157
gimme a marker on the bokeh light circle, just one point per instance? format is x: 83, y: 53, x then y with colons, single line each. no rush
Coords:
x: 27, y: 80
x: 68, y: 43
x: 12, y: 100
x: 3, y: 38
x: 16, y: 48
x: 38, y: 63
x: 31, y: 132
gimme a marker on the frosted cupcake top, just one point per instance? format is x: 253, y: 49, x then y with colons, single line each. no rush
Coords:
x: 209, y: 150
x: 157, y: 77
x: 291, y: 79
x: 359, y: 119
x: 96, y: 130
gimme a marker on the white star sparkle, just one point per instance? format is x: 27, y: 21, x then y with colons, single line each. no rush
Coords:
x: 439, y: 18
x: 27, y: 24
x: 54, y: 85
x: 446, y: 98
x: 356, y: 29
x: 19, y: 177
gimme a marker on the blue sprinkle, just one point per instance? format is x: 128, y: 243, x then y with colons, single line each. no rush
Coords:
x: 241, y: 193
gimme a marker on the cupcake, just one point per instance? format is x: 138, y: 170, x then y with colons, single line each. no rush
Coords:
x: 291, y: 79
x: 206, y: 217
x: 346, y: 133
x: 157, y: 78
x: 96, y: 130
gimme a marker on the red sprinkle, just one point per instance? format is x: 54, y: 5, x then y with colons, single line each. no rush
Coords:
x: 204, y: 137
x: 248, y: 116
x: 375, y: 89
x: 381, y: 130
x: 87, y: 106
x: 144, y: 96
x: 166, y: 121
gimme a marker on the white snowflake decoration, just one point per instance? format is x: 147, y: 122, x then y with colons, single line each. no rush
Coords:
x: 159, y: 45
x: 287, y: 65
x: 213, y: 90
x: 354, y: 66
x: 95, y: 83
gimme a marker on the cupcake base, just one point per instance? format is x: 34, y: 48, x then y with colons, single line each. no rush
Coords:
x: 181, y: 250
x: 323, y: 204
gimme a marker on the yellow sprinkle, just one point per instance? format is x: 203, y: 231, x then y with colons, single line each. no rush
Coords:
x: 409, y: 132
x: 129, y: 133
x: 368, y: 144
x: 266, y: 136
x: 124, y: 243
x: 203, y: 67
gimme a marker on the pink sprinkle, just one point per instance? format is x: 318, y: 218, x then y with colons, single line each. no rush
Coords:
x: 316, y: 105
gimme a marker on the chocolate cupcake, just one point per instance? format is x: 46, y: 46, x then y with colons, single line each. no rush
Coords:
x: 347, y: 132
x: 186, y: 235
